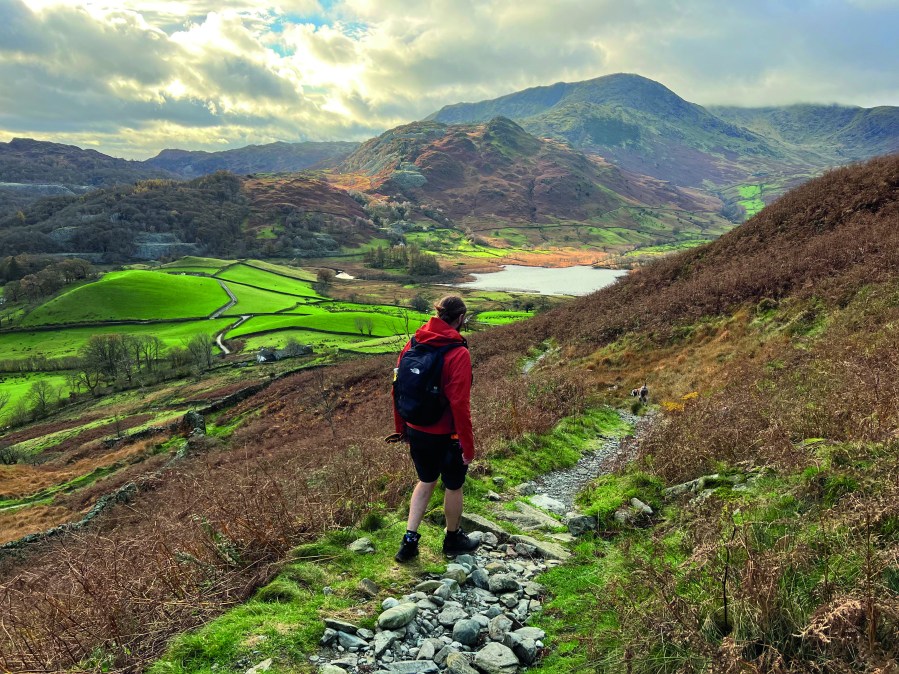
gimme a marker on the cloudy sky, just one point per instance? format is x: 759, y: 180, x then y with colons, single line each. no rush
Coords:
x: 130, y: 78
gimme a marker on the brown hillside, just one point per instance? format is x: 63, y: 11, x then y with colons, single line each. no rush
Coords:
x: 826, y: 238
x: 497, y: 170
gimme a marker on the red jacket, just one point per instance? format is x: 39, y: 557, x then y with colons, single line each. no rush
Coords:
x: 455, y: 382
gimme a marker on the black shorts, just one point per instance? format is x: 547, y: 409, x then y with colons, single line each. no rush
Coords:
x: 437, y: 456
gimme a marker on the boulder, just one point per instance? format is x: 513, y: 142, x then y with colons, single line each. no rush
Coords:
x: 362, y: 546
x: 456, y: 663
x: 548, y: 503
x: 495, y: 658
x: 580, y: 525
x: 398, y: 616
x: 545, y: 549
x: 466, y: 632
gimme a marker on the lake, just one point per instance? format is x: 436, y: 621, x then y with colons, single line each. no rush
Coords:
x: 578, y: 280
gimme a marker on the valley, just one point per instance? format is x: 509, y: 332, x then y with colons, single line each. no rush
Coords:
x: 195, y: 356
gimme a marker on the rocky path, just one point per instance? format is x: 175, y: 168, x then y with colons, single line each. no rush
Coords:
x: 473, y: 618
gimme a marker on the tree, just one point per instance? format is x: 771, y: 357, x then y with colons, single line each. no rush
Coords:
x: 40, y: 396
x: 420, y: 303
x: 200, y: 347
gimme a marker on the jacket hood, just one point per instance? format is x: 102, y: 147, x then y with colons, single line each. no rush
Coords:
x: 437, y: 332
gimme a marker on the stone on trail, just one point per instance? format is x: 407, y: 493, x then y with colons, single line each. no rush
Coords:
x: 351, y: 642
x: 362, y: 546
x: 331, y: 669
x: 580, y: 525
x: 503, y: 582
x: 456, y: 663
x: 340, y: 625
x: 451, y: 613
x: 476, y: 522
x: 368, y: 587
x: 413, y: 667
x: 545, y: 549
x: 640, y: 507
x: 398, y: 616
x: 466, y: 632
x: 263, y: 666
x: 499, y: 627
x: 549, y: 503
x: 495, y: 658
x: 383, y: 641
x: 428, y: 586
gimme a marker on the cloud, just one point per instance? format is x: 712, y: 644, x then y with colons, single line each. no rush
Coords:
x: 225, y: 73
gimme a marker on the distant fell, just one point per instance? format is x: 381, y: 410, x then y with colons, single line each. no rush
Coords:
x: 277, y: 157
x: 837, y: 131
x: 645, y: 127
x: 497, y: 170
x: 24, y: 160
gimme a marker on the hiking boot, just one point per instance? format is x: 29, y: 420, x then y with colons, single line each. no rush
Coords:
x: 458, y: 543
x: 408, y: 549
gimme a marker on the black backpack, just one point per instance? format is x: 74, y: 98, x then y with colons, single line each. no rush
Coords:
x: 416, y: 383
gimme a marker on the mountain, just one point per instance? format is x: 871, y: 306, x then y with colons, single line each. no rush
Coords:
x: 478, y: 174
x: 271, y: 158
x: 33, y: 169
x: 220, y: 214
x: 641, y: 125
x: 841, y: 133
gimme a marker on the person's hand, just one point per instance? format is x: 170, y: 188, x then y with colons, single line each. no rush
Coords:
x: 395, y: 437
x: 467, y: 458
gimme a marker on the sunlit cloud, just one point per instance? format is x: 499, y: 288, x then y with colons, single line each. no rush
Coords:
x: 131, y: 78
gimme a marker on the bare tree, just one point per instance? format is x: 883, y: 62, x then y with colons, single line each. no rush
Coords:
x: 200, y: 347
x: 40, y: 395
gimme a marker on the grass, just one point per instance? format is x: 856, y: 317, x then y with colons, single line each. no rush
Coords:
x: 256, y: 301
x: 207, y: 265
x: 19, y: 385
x: 344, y: 322
x: 284, y: 270
x: 319, y: 341
x: 67, y: 341
x: 132, y: 295
x: 502, y: 317
x: 248, y: 275
x: 751, y: 199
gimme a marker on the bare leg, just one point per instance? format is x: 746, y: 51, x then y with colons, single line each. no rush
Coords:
x: 421, y: 495
x: 452, y: 508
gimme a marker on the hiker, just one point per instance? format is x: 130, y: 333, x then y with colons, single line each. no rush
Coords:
x: 442, y: 442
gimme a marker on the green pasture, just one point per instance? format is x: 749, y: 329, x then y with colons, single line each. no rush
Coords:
x: 319, y: 341
x: 284, y: 270
x: 207, y: 265
x: 666, y: 248
x: 347, y: 322
x: 68, y: 341
x: 19, y: 385
x: 248, y: 275
x: 502, y: 317
x: 252, y: 300
x: 132, y: 295
x: 751, y: 199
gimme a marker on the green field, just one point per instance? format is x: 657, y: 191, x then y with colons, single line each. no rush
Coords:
x: 256, y: 301
x: 319, y: 341
x: 242, y: 273
x: 132, y: 295
x: 346, y: 322
x: 198, y: 265
x: 502, y: 317
x: 67, y: 341
x: 751, y: 199
x: 285, y: 270
x: 18, y: 386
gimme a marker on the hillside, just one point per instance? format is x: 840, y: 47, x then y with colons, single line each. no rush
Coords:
x: 271, y: 158
x: 841, y: 133
x: 218, y: 214
x: 642, y: 126
x: 770, y: 356
x: 32, y: 170
x: 494, y: 174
